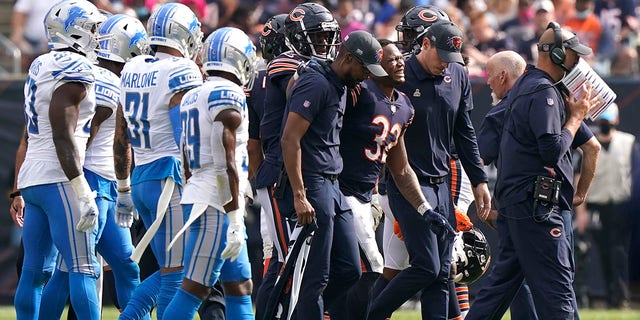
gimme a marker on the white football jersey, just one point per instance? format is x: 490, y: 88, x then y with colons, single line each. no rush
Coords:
x: 48, y: 72
x: 198, y: 109
x: 99, y: 157
x: 147, y: 84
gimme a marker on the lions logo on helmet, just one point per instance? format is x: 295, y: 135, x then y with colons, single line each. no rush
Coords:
x: 413, y: 25
x: 174, y: 25
x: 121, y: 38
x: 311, y: 31
x: 471, y: 256
x: 230, y: 50
x: 272, y: 40
x: 72, y: 24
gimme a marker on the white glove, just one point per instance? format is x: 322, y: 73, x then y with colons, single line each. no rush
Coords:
x: 88, y: 206
x: 125, y: 210
x: 235, y: 235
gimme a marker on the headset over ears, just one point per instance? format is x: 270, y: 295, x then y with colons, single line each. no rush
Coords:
x: 556, y: 50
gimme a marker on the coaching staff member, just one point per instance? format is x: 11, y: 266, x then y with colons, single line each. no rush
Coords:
x: 535, y: 177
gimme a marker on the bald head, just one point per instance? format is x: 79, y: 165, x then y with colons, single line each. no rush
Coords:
x: 503, y: 68
x: 509, y: 61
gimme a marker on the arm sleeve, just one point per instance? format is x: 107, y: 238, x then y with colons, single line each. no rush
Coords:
x: 544, y: 121
x: 582, y: 136
x: 464, y: 137
x: 184, y: 76
x: 307, y: 97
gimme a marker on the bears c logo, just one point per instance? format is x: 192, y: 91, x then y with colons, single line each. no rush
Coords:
x: 427, y: 15
x: 267, y: 29
x: 296, y: 15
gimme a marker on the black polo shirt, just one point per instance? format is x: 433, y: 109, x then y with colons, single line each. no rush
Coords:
x: 319, y: 96
x: 534, y: 142
x: 442, y: 105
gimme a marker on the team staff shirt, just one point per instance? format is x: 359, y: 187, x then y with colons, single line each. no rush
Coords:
x: 47, y: 73
x: 442, y: 106
x: 147, y: 85
x: 198, y: 109
x: 279, y: 72
x: 99, y: 157
x: 319, y: 97
x: 372, y: 125
x: 534, y: 141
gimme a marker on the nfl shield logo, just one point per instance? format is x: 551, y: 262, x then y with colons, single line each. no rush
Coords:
x: 306, y: 104
x: 549, y: 101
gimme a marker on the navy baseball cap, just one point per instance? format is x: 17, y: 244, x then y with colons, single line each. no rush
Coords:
x: 447, y: 38
x: 366, y: 49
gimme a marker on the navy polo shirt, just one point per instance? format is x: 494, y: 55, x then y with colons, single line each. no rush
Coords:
x: 279, y: 72
x: 372, y: 125
x: 319, y: 96
x: 442, y: 105
x: 255, y: 104
x: 490, y: 132
x: 534, y: 142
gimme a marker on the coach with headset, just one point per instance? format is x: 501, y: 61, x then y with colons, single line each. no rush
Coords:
x: 535, y: 183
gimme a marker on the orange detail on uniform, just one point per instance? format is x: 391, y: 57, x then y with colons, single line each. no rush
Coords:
x: 463, y: 223
x: 265, y: 266
x: 276, y: 210
x: 397, y: 231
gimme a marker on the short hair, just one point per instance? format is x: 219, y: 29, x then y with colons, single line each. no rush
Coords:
x: 384, y: 42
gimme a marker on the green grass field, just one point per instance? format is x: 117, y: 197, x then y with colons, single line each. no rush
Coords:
x: 7, y: 313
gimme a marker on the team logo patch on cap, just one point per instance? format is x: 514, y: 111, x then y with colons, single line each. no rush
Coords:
x: 455, y: 42
x: 306, y: 104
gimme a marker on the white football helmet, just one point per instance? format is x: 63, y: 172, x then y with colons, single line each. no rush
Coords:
x: 122, y: 37
x: 175, y: 25
x: 73, y: 24
x: 229, y: 49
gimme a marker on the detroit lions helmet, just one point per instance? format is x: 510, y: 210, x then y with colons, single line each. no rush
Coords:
x: 122, y: 37
x: 230, y: 50
x: 471, y: 255
x: 272, y: 39
x: 312, y: 31
x: 414, y: 24
x: 73, y: 24
x: 174, y: 25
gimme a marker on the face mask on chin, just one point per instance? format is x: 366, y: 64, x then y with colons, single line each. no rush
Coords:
x: 581, y: 15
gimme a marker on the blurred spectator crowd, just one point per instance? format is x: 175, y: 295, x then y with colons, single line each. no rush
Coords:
x: 610, y: 27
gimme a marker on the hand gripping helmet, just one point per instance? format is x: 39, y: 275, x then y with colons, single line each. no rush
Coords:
x: 230, y: 50
x: 121, y: 38
x: 414, y: 23
x: 174, y: 25
x: 312, y: 31
x: 471, y: 255
x: 272, y: 38
x: 73, y: 24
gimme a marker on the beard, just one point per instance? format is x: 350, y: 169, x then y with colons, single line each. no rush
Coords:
x: 494, y: 99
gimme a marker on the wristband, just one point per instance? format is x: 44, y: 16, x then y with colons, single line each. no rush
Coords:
x: 15, y: 194
x: 424, y: 207
x: 124, y: 185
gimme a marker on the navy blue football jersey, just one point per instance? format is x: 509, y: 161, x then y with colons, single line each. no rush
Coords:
x: 372, y: 125
x: 255, y: 104
x: 279, y: 72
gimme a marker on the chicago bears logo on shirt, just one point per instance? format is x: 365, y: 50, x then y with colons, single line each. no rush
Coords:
x: 455, y: 42
x: 296, y: 14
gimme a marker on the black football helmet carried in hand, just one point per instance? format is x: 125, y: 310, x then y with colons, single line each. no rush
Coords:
x: 413, y: 25
x: 471, y: 256
x: 272, y: 39
x: 312, y: 31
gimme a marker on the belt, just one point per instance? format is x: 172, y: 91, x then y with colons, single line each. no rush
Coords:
x: 332, y: 177
x: 432, y: 180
